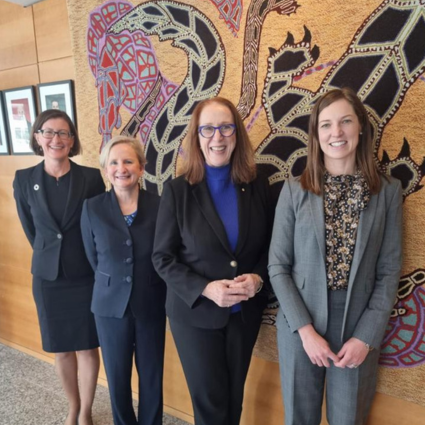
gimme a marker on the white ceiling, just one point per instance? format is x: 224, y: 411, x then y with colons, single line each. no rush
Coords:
x: 24, y: 3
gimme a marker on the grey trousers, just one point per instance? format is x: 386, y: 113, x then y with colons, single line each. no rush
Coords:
x: 349, y: 392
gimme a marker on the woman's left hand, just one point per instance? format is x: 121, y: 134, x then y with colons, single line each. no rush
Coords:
x: 250, y: 281
x: 352, y: 354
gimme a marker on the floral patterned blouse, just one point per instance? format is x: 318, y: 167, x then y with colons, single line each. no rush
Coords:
x: 345, y: 196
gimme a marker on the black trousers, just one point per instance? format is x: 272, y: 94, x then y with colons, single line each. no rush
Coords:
x: 120, y: 339
x: 215, y: 363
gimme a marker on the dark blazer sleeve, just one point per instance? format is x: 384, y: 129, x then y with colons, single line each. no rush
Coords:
x: 24, y: 210
x: 94, y: 181
x: 185, y: 282
x: 99, y: 184
x: 88, y: 237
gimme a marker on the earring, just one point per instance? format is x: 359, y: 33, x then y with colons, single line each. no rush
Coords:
x: 140, y: 181
x: 361, y: 133
x: 108, y: 186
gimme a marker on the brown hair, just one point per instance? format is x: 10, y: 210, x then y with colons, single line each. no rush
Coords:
x: 51, y: 114
x: 312, y: 177
x: 243, y: 169
x: 117, y: 140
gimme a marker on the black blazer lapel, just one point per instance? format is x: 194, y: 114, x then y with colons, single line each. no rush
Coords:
x: 39, y: 192
x: 75, y: 196
x: 206, y: 205
x: 117, y: 213
x: 244, y: 192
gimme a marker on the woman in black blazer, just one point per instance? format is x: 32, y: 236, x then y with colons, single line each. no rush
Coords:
x: 129, y: 297
x: 49, y: 199
x: 211, y: 248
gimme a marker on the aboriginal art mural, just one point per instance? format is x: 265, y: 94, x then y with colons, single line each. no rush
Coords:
x: 143, y: 66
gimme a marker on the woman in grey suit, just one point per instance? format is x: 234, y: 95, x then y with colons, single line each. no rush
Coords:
x: 334, y: 264
x: 129, y: 297
x: 49, y: 198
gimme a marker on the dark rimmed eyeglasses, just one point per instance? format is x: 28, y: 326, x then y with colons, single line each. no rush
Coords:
x: 50, y: 134
x: 208, y: 131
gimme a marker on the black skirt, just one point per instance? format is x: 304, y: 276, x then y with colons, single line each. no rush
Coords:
x: 63, y: 308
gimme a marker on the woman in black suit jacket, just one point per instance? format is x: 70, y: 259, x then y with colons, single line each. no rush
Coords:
x: 49, y: 199
x: 129, y: 297
x: 211, y: 248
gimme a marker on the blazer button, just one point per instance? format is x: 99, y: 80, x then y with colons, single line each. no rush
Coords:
x: 129, y: 279
x: 129, y: 242
x: 233, y: 263
x: 129, y: 260
x: 59, y: 236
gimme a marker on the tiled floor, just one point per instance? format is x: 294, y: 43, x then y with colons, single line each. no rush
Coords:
x: 30, y: 394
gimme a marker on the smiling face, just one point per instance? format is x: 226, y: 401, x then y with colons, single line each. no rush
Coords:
x: 338, y: 131
x: 218, y: 149
x: 123, y: 168
x: 56, y: 149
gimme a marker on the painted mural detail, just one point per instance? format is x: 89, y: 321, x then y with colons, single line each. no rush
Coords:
x: 231, y: 12
x: 126, y: 72
x: 388, y: 48
x: 404, y: 343
x: 390, y: 62
x: 257, y: 13
x: 191, y: 31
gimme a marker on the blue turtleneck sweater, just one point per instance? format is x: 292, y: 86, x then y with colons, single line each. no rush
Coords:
x: 224, y: 196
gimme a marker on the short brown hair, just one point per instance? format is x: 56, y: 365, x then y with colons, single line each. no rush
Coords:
x: 117, y: 140
x: 243, y: 168
x: 52, y: 114
x: 312, y: 177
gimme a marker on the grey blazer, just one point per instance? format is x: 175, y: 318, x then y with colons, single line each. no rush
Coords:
x: 297, y: 265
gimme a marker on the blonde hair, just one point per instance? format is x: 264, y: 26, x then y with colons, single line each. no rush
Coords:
x: 117, y: 140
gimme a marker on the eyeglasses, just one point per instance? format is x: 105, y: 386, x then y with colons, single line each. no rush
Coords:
x: 208, y: 131
x: 50, y: 134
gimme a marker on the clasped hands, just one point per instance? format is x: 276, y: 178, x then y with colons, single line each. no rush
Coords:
x: 351, y: 355
x: 228, y: 292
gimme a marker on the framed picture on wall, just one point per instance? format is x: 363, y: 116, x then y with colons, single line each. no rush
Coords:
x: 19, y: 105
x: 4, y: 146
x: 57, y: 95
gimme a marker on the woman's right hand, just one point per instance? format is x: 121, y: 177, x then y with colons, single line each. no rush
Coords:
x: 316, y: 347
x: 223, y: 295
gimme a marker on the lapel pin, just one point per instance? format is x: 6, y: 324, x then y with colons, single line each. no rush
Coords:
x: 243, y: 189
x: 36, y: 187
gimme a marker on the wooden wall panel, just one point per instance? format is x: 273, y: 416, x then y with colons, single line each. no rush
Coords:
x: 18, y: 318
x: 58, y: 69
x: 18, y: 313
x: 17, y: 46
x: 52, y: 33
x: 19, y: 77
